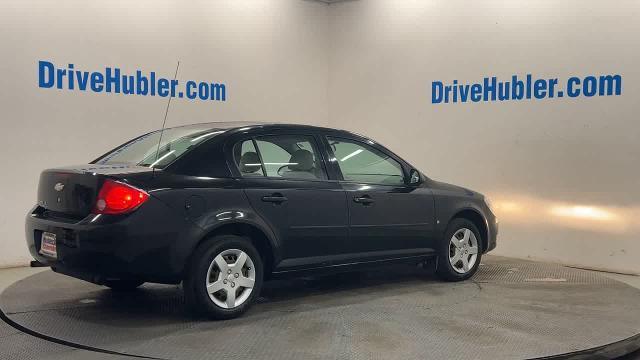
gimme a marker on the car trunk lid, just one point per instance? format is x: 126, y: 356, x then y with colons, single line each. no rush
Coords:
x: 72, y: 191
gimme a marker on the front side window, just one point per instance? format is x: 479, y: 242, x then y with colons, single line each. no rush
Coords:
x: 362, y: 163
x: 280, y: 156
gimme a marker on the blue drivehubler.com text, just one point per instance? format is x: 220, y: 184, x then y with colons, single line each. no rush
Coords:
x: 114, y: 80
x: 525, y: 88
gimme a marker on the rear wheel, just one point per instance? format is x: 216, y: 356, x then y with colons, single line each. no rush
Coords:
x: 225, y: 277
x: 460, y: 253
x: 123, y: 285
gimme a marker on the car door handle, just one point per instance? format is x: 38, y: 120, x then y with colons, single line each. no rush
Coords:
x: 274, y: 198
x: 364, y: 200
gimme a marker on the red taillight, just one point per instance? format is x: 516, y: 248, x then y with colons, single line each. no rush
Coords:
x: 118, y: 198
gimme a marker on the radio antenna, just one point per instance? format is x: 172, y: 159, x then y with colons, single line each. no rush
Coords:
x: 164, y: 122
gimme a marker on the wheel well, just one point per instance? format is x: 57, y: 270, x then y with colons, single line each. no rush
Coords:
x: 478, y: 221
x: 253, y: 233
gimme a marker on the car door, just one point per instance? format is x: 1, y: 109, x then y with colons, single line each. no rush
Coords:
x: 387, y: 216
x: 285, y: 180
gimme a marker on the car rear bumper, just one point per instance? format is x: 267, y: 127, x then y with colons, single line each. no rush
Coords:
x: 151, y: 244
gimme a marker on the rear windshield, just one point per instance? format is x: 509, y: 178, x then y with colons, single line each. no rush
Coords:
x: 144, y: 151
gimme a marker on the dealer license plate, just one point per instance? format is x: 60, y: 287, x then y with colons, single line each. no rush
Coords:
x: 48, y: 245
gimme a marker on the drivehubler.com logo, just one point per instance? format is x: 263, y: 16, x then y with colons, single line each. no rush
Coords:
x: 525, y: 88
x: 113, y: 80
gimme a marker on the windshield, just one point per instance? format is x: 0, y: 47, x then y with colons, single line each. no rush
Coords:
x: 143, y: 151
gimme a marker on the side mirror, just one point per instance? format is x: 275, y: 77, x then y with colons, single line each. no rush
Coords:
x: 414, y: 177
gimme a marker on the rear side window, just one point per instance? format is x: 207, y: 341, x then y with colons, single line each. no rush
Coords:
x: 362, y: 163
x: 280, y: 156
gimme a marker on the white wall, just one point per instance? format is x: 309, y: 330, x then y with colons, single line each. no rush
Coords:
x: 532, y: 157
x: 364, y: 65
x: 271, y: 55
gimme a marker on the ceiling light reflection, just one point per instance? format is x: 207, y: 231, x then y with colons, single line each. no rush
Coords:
x: 206, y: 135
x: 161, y: 158
x: 351, y: 155
x: 507, y: 206
x: 525, y: 210
x: 583, y: 212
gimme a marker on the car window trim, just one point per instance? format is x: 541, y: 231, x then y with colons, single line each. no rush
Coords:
x: 284, y: 179
x: 339, y: 170
x: 351, y: 182
x: 327, y: 152
x: 255, y: 146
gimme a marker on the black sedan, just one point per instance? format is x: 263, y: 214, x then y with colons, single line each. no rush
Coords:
x: 222, y: 206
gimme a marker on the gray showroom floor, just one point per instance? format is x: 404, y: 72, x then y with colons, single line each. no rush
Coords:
x: 15, y: 344
x: 512, y: 309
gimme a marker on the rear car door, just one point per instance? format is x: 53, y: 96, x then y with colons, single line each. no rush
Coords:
x: 285, y: 179
x: 388, y: 217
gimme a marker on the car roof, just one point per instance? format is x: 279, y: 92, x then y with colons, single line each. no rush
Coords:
x: 221, y: 125
x: 248, y: 125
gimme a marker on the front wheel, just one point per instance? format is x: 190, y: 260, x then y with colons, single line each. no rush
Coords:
x: 225, y: 277
x: 460, y: 253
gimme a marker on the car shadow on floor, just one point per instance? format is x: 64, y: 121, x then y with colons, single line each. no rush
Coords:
x: 165, y: 304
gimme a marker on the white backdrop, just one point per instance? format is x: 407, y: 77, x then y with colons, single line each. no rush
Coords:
x: 271, y: 55
x: 561, y: 171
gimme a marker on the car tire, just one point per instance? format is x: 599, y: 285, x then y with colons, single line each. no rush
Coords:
x: 123, y: 285
x: 450, y: 263
x: 209, y: 281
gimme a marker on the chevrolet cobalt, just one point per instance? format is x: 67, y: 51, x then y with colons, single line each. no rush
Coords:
x: 222, y: 206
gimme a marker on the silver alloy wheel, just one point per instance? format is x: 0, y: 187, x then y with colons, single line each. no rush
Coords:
x: 463, y: 250
x: 230, y: 278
